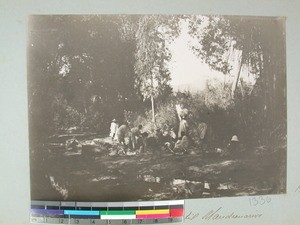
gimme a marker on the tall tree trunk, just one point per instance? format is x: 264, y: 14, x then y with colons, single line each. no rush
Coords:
x: 152, y: 99
x: 152, y: 106
x: 235, y: 83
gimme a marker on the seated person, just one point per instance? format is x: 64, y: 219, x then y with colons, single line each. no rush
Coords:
x: 182, y: 144
x: 233, y: 146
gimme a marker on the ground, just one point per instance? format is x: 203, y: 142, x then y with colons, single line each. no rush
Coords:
x: 98, y: 170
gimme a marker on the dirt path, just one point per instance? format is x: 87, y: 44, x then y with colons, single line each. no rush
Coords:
x: 102, y: 173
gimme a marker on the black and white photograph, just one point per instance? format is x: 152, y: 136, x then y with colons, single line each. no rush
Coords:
x: 156, y: 107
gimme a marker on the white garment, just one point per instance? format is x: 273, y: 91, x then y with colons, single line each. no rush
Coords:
x: 113, y: 129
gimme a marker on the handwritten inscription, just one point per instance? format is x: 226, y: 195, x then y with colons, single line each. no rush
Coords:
x: 218, y: 215
x: 192, y: 216
x: 297, y: 189
x: 259, y: 200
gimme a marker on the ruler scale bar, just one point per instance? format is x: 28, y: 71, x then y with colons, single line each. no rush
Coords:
x: 106, y: 212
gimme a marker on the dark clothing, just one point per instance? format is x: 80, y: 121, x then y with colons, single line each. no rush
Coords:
x: 135, y: 134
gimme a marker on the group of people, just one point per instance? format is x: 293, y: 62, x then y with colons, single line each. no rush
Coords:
x: 167, y: 138
x: 139, y: 139
x: 120, y: 133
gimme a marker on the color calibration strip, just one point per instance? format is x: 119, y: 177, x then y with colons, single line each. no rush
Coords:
x: 107, y: 213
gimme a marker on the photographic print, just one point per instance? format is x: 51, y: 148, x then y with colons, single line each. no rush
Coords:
x: 156, y: 107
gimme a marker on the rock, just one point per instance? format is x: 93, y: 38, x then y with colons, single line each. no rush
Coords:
x: 112, y: 152
x: 150, y: 178
x: 72, y: 144
x: 131, y: 153
x: 88, y: 142
x: 196, y: 187
x: 98, y: 140
x: 193, y: 153
x: 261, y: 150
x: 61, y: 189
x: 218, y: 150
x: 103, y: 178
x: 206, y: 185
x: 72, y: 129
x: 156, y: 167
x: 223, y: 187
x: 194, y: 169
x: 178, y: 182
x: 206, y: 194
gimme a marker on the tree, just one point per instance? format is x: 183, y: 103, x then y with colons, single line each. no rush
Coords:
x: 78, y: 65
x: 259, y: 43
x: 152, y: 54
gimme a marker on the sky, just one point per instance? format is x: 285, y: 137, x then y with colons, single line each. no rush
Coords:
x: 188, y: 72
x: 186, y: 68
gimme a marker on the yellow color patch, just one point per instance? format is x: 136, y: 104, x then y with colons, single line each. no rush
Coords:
x: 154, y: 211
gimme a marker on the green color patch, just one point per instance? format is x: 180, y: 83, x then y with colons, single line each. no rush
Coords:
x: 118, y: 212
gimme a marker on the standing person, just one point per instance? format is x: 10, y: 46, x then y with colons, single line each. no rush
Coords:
x: 142, y: 142
x: 135, y: 134
x: 121, y: 132
x: 183, y: 126
x: 113, y: 129
x: 202, y: 136
x: 159, y: 135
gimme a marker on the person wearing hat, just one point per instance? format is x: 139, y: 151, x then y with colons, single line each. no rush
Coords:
x: 234, y: 144
x: 113, y: 129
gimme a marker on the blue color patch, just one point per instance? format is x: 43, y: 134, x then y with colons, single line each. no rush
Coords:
x: 82, y: 212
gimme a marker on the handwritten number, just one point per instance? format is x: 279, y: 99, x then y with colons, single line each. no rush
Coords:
x: 255, y: 201
x: 260, y: 200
